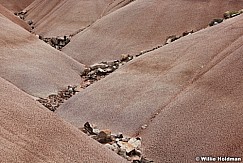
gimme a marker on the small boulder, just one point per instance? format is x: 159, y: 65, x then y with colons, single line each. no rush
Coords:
x: 144, y: 126
x: 98, y: 65
x: 30, y: 22
x: 85, y: 72
x: 119, y: 135
x: 187, y: 33
x: 215, y: 22
x: 171, y: 39
x: 126, y: 146
x: 89, y: 128
x: 54, y: 41
x: 104, y: 136
x: 135, y: 142
x: 114, y: 147
x: 126, y: 57
x: 230, y: 14
x: 96, y: 131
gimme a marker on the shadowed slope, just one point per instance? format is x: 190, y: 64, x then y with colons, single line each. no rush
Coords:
x: 65, y: 17
x: 31, y: 64
x: 143, y: 24
x: 29, y: 133
x: 15, y: 5
x: 131, y: 96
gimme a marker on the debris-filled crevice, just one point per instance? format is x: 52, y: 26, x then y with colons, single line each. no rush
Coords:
x: 98, y: 71
x: 226, y: 15
x: 127, y: 147
x: 22, y: 15
x: 94, y: 73
x: 56, y: 42
x: 53, y: 101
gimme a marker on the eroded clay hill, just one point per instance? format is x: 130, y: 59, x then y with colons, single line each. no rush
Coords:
x: 143, y: 24
x: 31, y: 64
x: 8, y: 14
x: 66, y: 17
x: 184, y: 99
x: 30, y: 133
x: 15, y: 5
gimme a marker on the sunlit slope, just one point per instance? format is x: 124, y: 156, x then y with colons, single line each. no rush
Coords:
x: 31, y: 64
x: 66, y: 17
x: 31, y: 133
x: 144, y: 24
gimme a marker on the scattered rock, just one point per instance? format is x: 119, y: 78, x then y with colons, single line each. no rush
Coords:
x: 114, y: 147
x: 126, y: 57
x: 126, y: 139
x: 30, y: 22
x: 127, y: 147
x: 144, y: 160
x: 21, y: 14
x: 231, y: 14
x: 89, y: 128
x: 171, y: 39
x: 135, y: 142
x: 226, y: 15
x: 98, y: 71
x: 144, y: 126
x: 187, y: 33
x: 98, y: 65
x: 53, y: 101
x: 119, y: 135
x: 96, y: 131
x: 57, y: 42
x: 104, y: 136
x: 216, y: 21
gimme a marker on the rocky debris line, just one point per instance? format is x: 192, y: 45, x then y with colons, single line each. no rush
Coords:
x: 216, y: 21
x: 127, y: 147
x: 22, y: 15
x: 92, y: 73
x: 56, y: 42
x: 173, y: 38
x: 149, y: 50
x: 226, y: 15
x: 231, y: 14
x: 53, y: 101
x: 98, y: 71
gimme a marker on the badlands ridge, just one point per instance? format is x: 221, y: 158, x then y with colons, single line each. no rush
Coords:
x: 120, y: 80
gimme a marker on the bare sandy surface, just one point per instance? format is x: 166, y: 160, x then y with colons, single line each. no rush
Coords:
x: 31, y: 133
x: 31, y: 64
x: 143, y: 24
x: 184, y: 99
x: 65, y: 17
x: 8, y: 14
x: 189, y: 93
x: 15, y: 5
